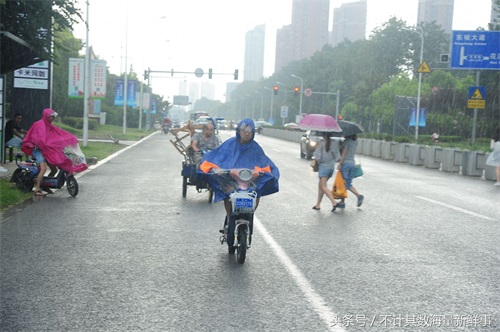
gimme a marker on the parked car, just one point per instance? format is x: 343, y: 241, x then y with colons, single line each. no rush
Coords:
x: 291, y: 125
x: 308, y: 143
x: 261, y: 124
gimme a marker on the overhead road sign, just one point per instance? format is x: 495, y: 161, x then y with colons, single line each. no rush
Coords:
x: 475, y: 50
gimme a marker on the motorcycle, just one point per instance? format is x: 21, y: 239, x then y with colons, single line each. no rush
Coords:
x: 240, y: 186
x: 26, y: 173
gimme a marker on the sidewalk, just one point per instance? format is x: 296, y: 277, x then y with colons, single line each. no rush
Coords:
x: 7, y: 169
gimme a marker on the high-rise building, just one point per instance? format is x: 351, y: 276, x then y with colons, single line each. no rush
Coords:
x: 349, y: 22
x: 309, y: 27
x: 254, y: 54
x: 440, y: 11
x: 283, y: 47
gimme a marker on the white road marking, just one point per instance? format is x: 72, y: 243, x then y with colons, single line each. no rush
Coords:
x: 456, y: 208
x: 276, y: 150
x: 329, y: 317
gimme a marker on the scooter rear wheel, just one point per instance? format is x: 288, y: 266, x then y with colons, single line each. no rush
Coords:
x: 25, y: 181
x: 72, y: 185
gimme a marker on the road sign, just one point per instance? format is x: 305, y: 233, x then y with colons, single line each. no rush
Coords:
x: 284, y: 111
x: 198, y: 72
x: 424, y: 67
x: 308, y: 92
x: 475, y: 50
x: 477, y: 97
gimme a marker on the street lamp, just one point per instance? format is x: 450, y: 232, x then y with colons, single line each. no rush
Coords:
x: 272, y: 105
x: 261, y: 103
x: 419, y: 79
x: 301, y: 91
x: 279, y: 83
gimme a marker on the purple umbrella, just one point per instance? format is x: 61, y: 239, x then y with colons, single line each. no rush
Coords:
x: 319, y: 122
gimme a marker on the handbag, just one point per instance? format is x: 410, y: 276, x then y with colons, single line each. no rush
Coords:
x: 358, y: 171
x: 315, y: 166
x: 339, y: 190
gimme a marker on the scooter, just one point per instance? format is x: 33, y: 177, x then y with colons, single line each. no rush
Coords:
x: 240, y: 185
x: 26, y: 173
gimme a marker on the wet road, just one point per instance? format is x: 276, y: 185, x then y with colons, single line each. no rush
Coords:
x: 129, y: 253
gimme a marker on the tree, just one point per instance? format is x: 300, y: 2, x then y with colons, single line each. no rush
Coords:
x: 34, y: 22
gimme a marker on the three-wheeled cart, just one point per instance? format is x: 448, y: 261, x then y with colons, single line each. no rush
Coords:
x: 182, y: 142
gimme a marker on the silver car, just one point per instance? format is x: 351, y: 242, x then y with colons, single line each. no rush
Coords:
x: 308, y: 143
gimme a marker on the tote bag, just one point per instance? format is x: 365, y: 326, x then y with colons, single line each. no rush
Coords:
x: 358, y: 171
x: 339, y: 190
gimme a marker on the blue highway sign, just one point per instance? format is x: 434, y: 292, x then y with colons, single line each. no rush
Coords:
x: 475, y: 50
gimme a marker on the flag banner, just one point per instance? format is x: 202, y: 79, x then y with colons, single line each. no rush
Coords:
x: 422, y: 117
x: 131, y: 92
x: 119, y: 92
x: 75, y: 79
x: 98, y: 79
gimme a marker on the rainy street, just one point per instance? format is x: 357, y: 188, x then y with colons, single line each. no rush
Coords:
x: 130, y: 253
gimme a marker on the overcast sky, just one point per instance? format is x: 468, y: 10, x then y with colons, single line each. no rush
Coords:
x: 189, y: 34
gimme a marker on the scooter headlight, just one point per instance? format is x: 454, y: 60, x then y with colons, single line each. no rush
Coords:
x: 245, y: 175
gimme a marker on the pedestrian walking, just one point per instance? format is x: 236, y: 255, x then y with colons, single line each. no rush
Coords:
x: 347, y: 166
x: 325, y: 155
x: 494, y: 157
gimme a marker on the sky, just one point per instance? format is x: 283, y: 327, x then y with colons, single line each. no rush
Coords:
x: 189, y: 34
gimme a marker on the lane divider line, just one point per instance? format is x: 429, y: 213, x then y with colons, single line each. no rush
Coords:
x: 456, y: 208
x: 318, y: 303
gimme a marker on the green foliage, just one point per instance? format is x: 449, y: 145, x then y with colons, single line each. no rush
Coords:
x: 10, y: 194
x: 78, y: 123
x: 30, y: 21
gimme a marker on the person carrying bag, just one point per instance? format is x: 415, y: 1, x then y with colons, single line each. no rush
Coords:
x: 326, y: 154
x: 347, y: 166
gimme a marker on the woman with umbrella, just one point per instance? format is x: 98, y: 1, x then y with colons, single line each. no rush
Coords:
x: 325, y: 154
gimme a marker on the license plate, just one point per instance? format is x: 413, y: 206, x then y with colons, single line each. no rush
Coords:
x: 244, y: 203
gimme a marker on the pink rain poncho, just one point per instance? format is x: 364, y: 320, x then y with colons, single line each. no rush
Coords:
x: 58, y: 147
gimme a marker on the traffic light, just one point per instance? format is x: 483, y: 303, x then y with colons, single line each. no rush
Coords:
x: 275, y: 89
x: 236, y: 74
x: 296, y: 91
x: 340, y: 117
x: 444, y: 58
x: 210, y: 73
x: 146, y: 74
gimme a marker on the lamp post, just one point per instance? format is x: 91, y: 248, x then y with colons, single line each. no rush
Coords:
x: 301, y: 91
x: 279, y: 83
x: 419, y: 80
x: 272, y: 105
x: 261, y: 102
x: 86, y: 92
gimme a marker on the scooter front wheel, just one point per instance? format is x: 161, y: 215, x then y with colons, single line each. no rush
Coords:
x: 72, y: 185
x: 241, y: 250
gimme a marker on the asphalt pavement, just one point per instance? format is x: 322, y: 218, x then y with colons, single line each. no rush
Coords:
x: 130, y: 253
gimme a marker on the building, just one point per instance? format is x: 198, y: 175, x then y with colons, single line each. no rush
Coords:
x: 440, y: 11
x: 254, y: 54
x: 309, y: 27
x: 349, y: 22
x: 283, y: 54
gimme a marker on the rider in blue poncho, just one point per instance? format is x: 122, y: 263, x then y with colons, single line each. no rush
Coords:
x: 242, y: 152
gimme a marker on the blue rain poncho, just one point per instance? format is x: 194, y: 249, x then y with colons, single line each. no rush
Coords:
x: 233, y: 154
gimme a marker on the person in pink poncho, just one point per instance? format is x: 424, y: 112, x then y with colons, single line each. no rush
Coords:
x: 49, y: 145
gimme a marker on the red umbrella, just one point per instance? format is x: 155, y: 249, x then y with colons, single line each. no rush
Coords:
x: 319, y: 122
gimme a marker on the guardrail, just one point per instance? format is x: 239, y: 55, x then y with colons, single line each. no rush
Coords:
x: 465, y: 162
